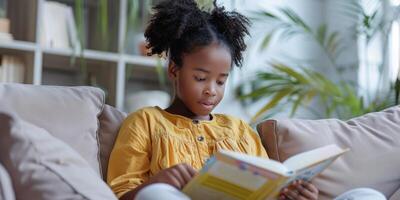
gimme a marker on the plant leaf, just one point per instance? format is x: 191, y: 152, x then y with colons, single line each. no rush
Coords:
x: 289, y: 71
x: 267, y: 40
x: 321, y: 34
x: 268, y: 14
x: 296, y: 19
x: 273, y: 102
x: 271, y: 76
x: 296, y: 104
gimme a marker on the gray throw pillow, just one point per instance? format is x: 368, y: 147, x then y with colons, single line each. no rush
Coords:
x: 43, y: 167
x: 67, y: 113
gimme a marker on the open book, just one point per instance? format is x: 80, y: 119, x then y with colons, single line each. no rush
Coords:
x: 233, y: 175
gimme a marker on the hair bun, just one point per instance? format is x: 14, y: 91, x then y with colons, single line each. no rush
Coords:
x: 171, y: 20
x: 233, y: 26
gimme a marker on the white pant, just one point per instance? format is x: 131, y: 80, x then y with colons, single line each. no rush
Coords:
x: 162, y: 191
x: 361, y: 193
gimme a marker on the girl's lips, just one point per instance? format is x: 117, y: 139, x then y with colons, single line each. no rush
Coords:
x: 207, y: 102
x: 208, y: 105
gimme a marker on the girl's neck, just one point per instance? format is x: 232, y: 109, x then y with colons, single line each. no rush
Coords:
x: 179, y: 108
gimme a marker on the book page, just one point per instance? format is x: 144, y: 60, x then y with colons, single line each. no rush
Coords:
x: 264, y: 163
x: 307, y: 174
x: 241, y: 177
x: 309, y: 158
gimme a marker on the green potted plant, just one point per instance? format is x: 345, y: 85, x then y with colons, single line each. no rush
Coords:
x: 297, y: 85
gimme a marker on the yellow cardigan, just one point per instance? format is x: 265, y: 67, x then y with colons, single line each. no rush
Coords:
x: 152, y: 139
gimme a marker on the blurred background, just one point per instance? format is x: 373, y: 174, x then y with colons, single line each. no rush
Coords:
x: 305, y: 58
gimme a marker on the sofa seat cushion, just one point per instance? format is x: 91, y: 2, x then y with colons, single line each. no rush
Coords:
x: 68, y: 113
x: 43, y: 167
x: 396, y: 195
x: 373, y: 139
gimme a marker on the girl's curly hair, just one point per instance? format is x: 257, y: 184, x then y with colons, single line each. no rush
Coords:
x: 179, y: 26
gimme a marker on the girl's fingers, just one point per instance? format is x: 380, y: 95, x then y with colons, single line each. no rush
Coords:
x: 286, y: 197
x: 172, y: 179
x: 176, y: 174
x: 185, y: 173
x: 300, y: 190
x: 307, y: 190
x: 304, y: 192
x: 190, y: 169
x: 291, y: 194
x: 309, y: 186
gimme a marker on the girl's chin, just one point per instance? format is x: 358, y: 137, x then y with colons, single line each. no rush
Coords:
x: 203, y: 112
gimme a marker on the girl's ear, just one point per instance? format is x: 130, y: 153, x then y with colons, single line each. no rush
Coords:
x: 172, y: 70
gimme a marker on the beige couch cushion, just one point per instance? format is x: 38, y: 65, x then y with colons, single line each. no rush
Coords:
x: 43, y: 167
x: 110, y: 122
x: 396, y: 195
x: 68, y: 113
x: 374, y: 140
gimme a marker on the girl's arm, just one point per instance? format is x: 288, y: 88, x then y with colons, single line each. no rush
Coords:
x: 129, y: 163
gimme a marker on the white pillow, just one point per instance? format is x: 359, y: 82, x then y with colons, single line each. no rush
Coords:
x: 6, y: 190
x: 43, y: 167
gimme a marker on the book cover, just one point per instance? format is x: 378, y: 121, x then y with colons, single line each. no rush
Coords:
x: 1, y: 69
x: 12, y: 69
x: 72, y: 30
x: 5, y: 34
x: 54, y: 33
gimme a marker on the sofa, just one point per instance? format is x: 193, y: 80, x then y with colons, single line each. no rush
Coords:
x: 55, y: 142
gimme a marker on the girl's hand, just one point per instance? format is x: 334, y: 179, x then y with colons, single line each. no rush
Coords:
x: 299, y: 190
x: 177, y: 176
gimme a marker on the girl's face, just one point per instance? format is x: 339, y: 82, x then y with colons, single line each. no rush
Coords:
x: 200, y: 82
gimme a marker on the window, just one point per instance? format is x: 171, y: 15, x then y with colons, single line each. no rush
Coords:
x: 394, y: 48
x: 395, y: 2
x: 394, y: 51
x: 380, y: 56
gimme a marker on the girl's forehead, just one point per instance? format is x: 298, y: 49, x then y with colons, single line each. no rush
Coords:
x: 213, y: 55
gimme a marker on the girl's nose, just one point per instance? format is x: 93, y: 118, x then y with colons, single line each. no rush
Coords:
x: 210, y: 91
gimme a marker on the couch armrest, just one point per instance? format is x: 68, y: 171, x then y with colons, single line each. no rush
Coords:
x: 269, y: 138
x: 110, y: 122
x: 6, y: 189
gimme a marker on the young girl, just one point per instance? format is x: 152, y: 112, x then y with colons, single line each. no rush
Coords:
x: 169, y: 146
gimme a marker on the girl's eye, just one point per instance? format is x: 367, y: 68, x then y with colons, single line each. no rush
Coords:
x: 199, y: 79
x: 220, y: 82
